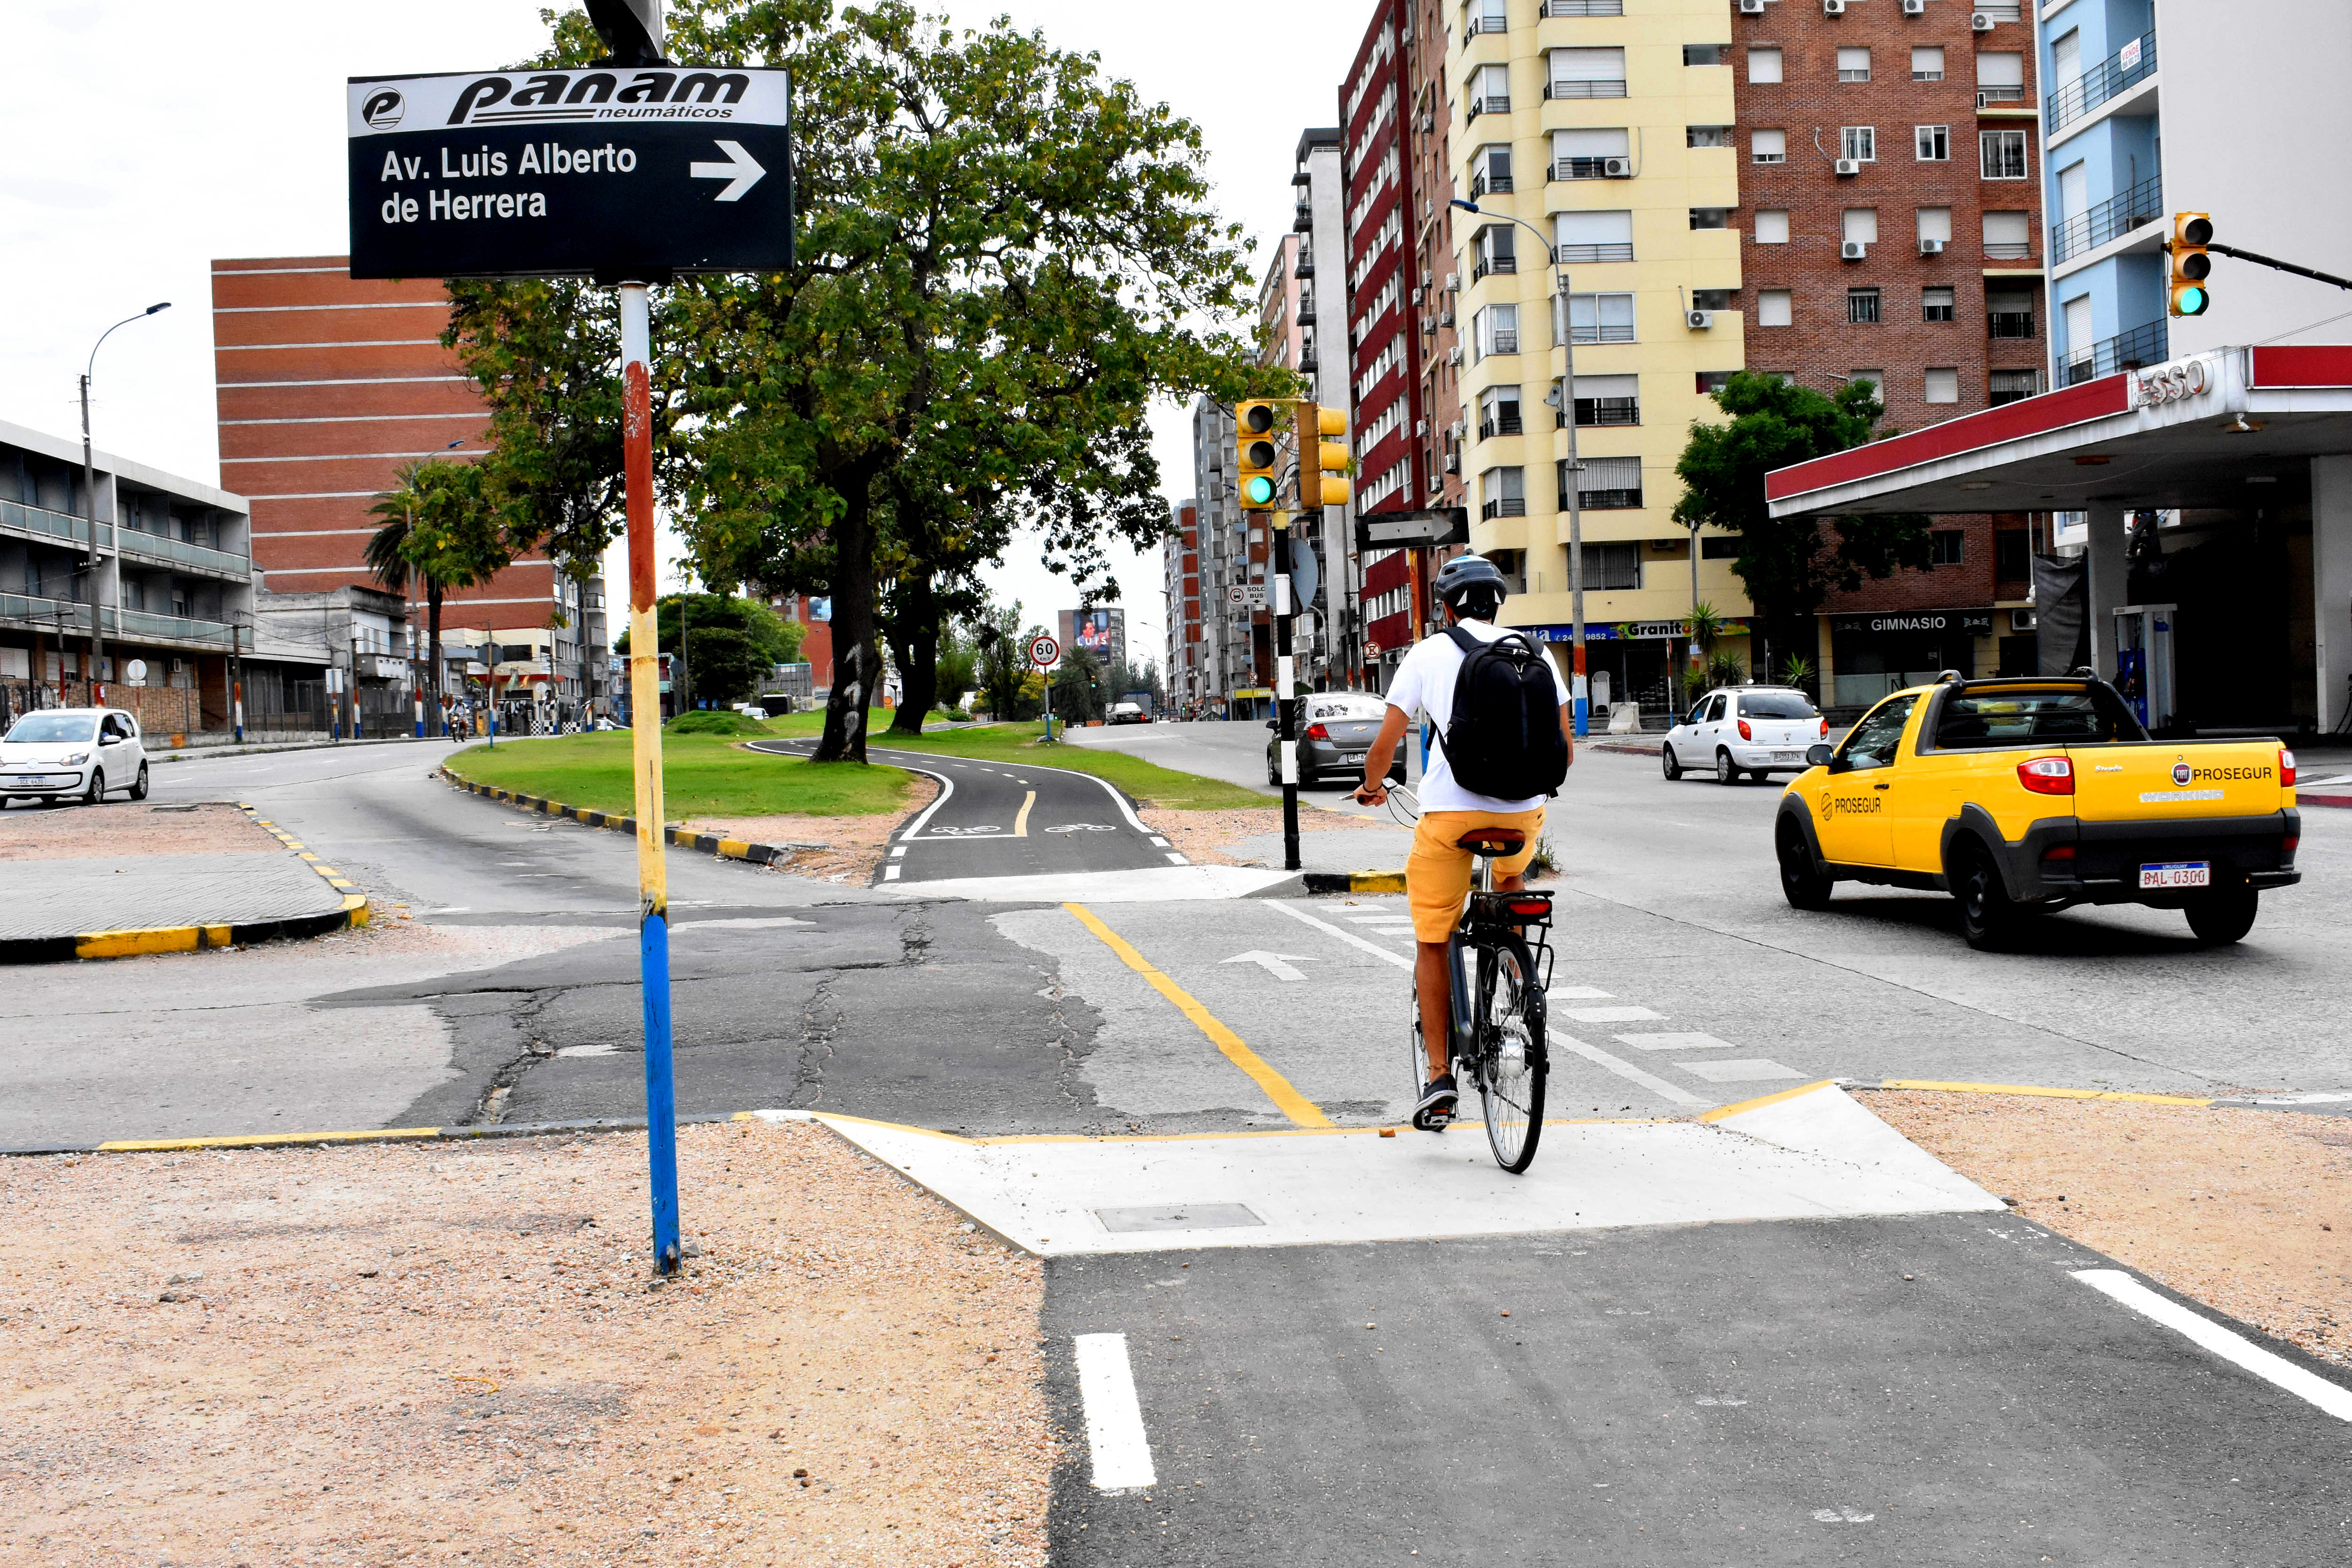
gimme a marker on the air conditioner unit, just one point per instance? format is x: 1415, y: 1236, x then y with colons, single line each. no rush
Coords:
x: 1454, y: 431
x: 1752, y: 7
x: 1453, y: 356
x: 1931, y: 248
x: 179, y: 666
x: 1454, y: 463
x: 1421, y: 427
x: 1452, y: 283
x: 1421, y: 293
x: 1428, y: 122
x: 2021, y: 620
x: 1848, y: 166
x: 1980, y: 21
x: 1914, y: 7
x: 1832, y: 7
x: 1425, y: 279
x: 1853, y: 250
x: 1698, y: 321
x: 1617, y: 168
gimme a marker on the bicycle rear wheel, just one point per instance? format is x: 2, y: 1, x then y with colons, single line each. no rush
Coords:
x: 1512, y: 1060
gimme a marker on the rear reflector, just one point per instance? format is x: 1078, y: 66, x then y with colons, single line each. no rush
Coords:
x: 2047, y: 775
x: 1531, y: 906
x: 2059, y: 852
x: 2288, y: 844
x: 2287, y: 769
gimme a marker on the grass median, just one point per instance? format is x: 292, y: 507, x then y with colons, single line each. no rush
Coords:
x: 1147, y: 782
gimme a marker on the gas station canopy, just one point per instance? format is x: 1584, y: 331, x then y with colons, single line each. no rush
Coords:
x: 2205, y: 430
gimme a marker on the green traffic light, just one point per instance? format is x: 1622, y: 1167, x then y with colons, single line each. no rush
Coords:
x: 2191, y: 301
x: 1258, y: 491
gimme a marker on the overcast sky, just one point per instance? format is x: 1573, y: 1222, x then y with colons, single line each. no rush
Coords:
x: 145, y: 137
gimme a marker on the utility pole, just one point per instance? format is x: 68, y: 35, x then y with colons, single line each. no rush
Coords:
x: 89, y: 506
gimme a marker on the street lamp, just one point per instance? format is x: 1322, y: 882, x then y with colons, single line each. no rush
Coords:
x: 89, y: 496
x: 1575, y: 468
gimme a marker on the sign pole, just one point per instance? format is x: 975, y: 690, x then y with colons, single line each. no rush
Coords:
x: 646, y: 745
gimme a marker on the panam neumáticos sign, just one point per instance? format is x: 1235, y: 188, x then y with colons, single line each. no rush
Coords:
x: 636, y: 173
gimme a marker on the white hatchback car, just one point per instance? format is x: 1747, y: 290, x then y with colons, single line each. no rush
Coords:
x: 86, y: 752
x: 1734, y: 731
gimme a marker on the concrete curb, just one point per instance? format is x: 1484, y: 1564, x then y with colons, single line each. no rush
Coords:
x: 1353, y: 880
x: 200, y: 753
x: 142, y: 940
x: 708, y: 843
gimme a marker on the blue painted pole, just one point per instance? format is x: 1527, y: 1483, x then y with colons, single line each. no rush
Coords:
x: 661, y: 1089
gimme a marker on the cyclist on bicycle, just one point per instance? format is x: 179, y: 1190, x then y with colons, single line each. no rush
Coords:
x: 1438, y: 870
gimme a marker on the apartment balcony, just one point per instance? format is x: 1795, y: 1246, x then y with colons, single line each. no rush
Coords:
x: 1582, y: 168
x: 1601, y: 332
x: 1570, y: 254
x: 1482, y: 185
x: 2103, y: 221
x: 2149, y: 344
x: 1607, y: 411
x: 1987, y: 97
x: 1583, y: 8
x: 1564, y: 89
x: 1503, y: 343
x: 1487, y: 264
x: 1305, y: 265
x: 2009, y: 324
x: 70, y: 617
x: 43, y: 526
x: 2009, y: 250
x: 1501, y: 424
x: 1499, y: 103
x: 2110, y: 78
x: 1605, y: 500
x: 1505, y: 506
x: 1486, y: 23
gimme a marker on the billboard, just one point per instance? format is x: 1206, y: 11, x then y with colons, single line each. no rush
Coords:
x: 1102, y: 632
x: 1094, y: 631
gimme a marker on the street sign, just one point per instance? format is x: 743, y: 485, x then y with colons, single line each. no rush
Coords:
x: 1389, y: 530
x: 135, y: 672
x: 1237, y: 594
x: 633, y: 174
x: 1257, y: 596
x: 1045, y: 652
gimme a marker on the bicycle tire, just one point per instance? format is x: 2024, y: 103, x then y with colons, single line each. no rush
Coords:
x: 1513, y: 1063
x: 1419, y: 1079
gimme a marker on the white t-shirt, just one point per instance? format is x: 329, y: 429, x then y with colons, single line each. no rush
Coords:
x: 1424, y: 681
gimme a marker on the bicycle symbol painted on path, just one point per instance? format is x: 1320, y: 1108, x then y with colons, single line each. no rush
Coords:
x: 960, y: 833
x: 1084, y: 828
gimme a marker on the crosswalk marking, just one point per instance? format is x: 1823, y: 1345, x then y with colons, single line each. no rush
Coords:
x: 1671, y: 1041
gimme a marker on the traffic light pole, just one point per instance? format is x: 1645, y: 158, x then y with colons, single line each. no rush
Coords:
x: 1286, y: 706
x: 2270, y: 261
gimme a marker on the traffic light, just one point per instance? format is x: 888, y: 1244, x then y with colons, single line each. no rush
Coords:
x: 1254, y: 453
x: 1323, y: 462
x: 2191, y: 232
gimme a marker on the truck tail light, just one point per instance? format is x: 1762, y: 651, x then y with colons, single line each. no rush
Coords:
x: 2047, y: 775
x: 1746, y: 733
x: 1316, y: 732
x: 2286, y: 769
x: 2287, y: 847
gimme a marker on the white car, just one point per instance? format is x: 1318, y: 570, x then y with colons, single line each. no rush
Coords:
x: 1734, y: 731
x: 87, y: 752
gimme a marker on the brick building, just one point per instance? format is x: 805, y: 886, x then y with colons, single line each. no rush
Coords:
x: 327, y: 388
x: 1890, y: 204
x: 1179, y: 562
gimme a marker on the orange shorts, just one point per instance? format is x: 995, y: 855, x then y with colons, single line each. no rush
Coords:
x: 1437, y: 871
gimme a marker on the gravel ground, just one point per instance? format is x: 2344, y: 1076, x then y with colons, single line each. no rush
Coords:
x: 1205, y: 837
x: 2248, y: 1211
x: 388, y: 1354
x: 124, y: 828
x: 853, y: 845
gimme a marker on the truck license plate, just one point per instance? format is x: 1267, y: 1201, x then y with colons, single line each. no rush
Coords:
x: 2178, y: 874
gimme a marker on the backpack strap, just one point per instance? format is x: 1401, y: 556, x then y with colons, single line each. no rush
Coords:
x: 1461, y: 639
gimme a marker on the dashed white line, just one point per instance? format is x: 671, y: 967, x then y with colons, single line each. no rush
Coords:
x: 1670, y: 1041
x: 1350, y: 937
x: 1175, y: 859
x: 1120, y: 1450
x: 1627, y: 1071
x: 1610, y: 1015
x: 2207, y: 1335
x: 890, y: 872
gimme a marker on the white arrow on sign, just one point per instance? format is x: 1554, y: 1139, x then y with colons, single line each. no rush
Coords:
x: 741, y: 169
x: 1275, y: 964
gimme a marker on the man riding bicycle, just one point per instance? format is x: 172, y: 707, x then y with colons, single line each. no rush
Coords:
x: 1438, y: 870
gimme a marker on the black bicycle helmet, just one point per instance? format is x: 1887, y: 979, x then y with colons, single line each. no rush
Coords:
x: 1468, y: 575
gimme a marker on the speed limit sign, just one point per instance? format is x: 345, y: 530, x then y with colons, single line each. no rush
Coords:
x: 1045, y: 652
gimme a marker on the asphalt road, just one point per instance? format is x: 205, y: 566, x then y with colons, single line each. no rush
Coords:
x: 1232, y: 750
x: 1008, y: 821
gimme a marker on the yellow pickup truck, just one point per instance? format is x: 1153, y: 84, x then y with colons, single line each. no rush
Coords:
x: 2025, y: 796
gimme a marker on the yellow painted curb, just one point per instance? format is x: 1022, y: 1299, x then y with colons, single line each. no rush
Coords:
x: 259, y: 1140
x: 1720, y: 1111
x: 2038, y: 1091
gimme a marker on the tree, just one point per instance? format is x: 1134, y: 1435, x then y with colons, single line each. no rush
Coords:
x: 1078, y: 694
x: 1786, y: 563
x: 436, y: 533
x: 684, y: 623
x: 728, y: 666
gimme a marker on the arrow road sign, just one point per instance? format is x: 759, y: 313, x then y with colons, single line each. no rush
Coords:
x: 602, y: 173
x: 1275, y: 964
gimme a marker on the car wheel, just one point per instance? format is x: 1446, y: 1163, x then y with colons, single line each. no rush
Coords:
x: 1726, y: 771
x: 2224, y: 914
x: 1987, y: 915
x: 1673, y: 764
x: 1272, y: 770
x: 139, y: 789
x: 97, y: 790
x: 1805, y: 885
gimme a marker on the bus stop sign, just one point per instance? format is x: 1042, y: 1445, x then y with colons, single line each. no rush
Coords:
x: 622, y: 174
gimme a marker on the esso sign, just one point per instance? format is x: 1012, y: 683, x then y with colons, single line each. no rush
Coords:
x: 1045, y: 652
x: 2175, y: 382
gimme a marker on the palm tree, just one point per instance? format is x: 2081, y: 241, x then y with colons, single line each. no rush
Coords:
x: 394, y: 554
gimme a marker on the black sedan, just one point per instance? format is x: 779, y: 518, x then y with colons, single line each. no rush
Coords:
x: 1337, y: 729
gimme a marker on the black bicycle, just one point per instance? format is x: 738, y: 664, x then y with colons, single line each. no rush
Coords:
x: 1499, y: 958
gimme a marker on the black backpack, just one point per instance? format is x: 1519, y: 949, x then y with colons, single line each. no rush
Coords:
x: 1503, y: 737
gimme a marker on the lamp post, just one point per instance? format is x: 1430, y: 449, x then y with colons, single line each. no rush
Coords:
x: 1576, y: 688
x: 90, y: 501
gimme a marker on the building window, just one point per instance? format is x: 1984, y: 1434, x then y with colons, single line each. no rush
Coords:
x: 1860, y: 225
x: 1935, y: 223
x: 2012, y: 555
x: 1859, y: 143
x: 1496, y: 248
x: 1707, y: 136
x: 2003, y: 153
x: 1593, y: 236
x: 1764, y: 65
x: 1490, y: 170
x: 1587, y: 155
x: 1705, y: 54
x: 2000, y: 76
x: 1713, y: 382
x: 1862, y: 307
x: 1853, y: 65
x: 1773, y: 228
x: 2010, y: 386
x: 1498, y: 413
x: 1485, y: 16
x: 1495, y: 330
x: 1504, y: 493
x: 1490, y: 91
x: 1767, y: 146
x: 1933, y: 142
x: 2010, y: 312
x: 1607, y: 484
x: 2007, y: 236
x: 1943, y: 546
x: 1713, y: 298
x: 1600, y: 317
x: 1608, y: 400
x: 1586, y: 73
x: 1928, y: 64
x: 1612, y: 567
x: 1943, y: 384
x: 1772, y: 307
x: 1709, y: 218
x: 1935, y: 305
x: 1875, y: 379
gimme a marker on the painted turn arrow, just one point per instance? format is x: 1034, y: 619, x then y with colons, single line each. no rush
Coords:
x: 1275, y: 964
x: 741, y: 169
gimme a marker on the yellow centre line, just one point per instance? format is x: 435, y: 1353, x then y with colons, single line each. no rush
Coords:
x: 1289, y: 1101
x: 1020, y: 822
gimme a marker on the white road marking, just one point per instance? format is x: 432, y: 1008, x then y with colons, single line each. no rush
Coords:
x: 1750, y: 1069
x: 1627, y: 1071
x: 1275, y: 964
x: 1157, y: 840
x: 1380, y: 919
x: 744, y: 923
x: 586, y: 1050
x: 897, y: 851
x: 1115, y: 1435
x: 2207, y: 1335
x: 1175, y: 859
x: 1610, y: 1015
x: 1673, y: 1043
x: 890, y: 872
x: 1350, y: 937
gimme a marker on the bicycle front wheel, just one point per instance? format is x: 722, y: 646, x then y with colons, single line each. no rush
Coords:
x: 1512, y: 1060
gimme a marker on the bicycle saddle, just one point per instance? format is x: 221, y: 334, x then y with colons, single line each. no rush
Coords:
x: 1494, y: 842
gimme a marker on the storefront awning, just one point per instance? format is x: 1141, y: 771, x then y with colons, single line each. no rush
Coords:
x: 2207, y: 430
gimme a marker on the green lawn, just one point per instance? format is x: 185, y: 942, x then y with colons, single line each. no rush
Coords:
x: 1145, y: 781
x: 702, y: 776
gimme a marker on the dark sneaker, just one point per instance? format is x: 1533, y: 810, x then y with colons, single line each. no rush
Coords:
x: 1437, y: 1104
